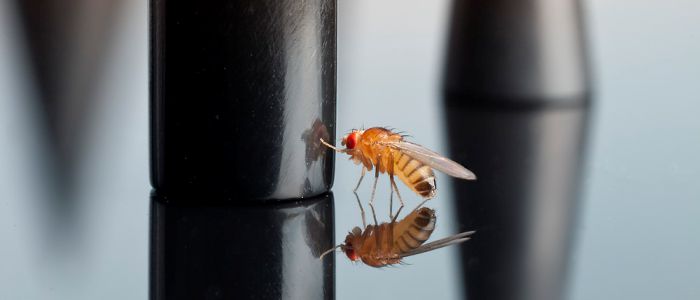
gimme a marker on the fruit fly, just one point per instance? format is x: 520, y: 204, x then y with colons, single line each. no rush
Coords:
x: 388, y: 243
x: 387, y: 152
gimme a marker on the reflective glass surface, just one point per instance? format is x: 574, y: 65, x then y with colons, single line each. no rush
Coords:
x: 630, y: 161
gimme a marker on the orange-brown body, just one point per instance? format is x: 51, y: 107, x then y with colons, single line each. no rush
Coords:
x: 383, y: 245
x: 371, y: 151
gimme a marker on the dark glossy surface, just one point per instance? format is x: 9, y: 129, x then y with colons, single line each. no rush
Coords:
x: 241, y: 91
x: 231, y: 251
x: 525, y: 203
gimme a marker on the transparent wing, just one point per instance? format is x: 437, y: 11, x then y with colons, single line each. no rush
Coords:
x: 434, y: 160
x: 455, y: 239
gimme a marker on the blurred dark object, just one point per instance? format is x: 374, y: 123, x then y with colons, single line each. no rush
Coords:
x: 238, y: 90
x: 517, y: 52
x: 517, y: 96
x: 523, y: 206
x: 67, y: 48
x: 68, y: 43
x: 259, y: 250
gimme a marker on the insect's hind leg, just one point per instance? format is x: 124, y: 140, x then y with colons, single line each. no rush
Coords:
x: 391, y: 204
x: 374, y: 189
x: 396, y: 188
x: 390, y: 171
x: 421, y: 204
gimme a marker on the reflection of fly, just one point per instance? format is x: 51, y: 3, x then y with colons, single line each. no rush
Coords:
x: 388, y: 152
x: 388, y: 243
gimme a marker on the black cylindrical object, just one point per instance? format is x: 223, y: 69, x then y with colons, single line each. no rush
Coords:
x: 517, y: 52
x: 241, y: 92
x: 254, y: 250
x: 517, y: 103
x: 525, y: 200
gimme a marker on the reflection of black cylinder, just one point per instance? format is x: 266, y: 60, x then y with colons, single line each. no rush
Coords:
x: 523, y: 204
x: 516, y: 95
x: 250, y: 251
x: 241, y: 91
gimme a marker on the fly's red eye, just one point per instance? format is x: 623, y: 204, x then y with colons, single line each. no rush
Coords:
x: 351, y: 254
x: 352, y: 140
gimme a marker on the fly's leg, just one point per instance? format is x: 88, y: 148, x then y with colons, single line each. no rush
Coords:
x: 393, y: 219
x: 391, y: 234
x: 390, y: 171
x: 378, y: 239
x: 374, y: 215
x: 362, y: 211
x: 374, y: 189
x: 421, y: 204
x: 396, y: 188
x: 364, y: 169
x: 398, y: 212
x: 391, y: 204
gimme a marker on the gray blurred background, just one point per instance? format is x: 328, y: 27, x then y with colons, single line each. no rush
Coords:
x: 74, y: 189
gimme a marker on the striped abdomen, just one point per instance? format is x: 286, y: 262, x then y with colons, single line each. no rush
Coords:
x: 414, y: 230
x: 415, y: 174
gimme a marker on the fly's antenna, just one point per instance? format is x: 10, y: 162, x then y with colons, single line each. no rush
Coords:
x: 331, y: 146
x: 329, y: 251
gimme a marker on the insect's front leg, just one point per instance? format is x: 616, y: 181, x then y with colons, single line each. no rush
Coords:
x: 364, y: 170
x: 362, y: 211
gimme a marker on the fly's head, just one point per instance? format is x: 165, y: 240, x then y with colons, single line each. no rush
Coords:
x: 353, y: 242
x: 351, y: 139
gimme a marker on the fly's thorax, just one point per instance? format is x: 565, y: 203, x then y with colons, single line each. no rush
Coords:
x: 378, y: 250
x: 354, y: 238
x: 381, y: 261
x: 372, y: 145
